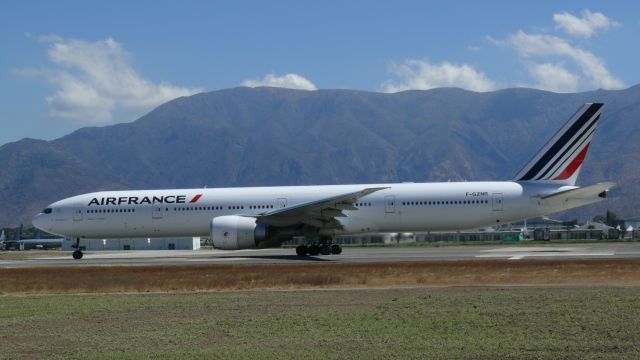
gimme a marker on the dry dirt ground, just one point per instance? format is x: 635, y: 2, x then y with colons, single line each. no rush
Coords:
x: 477, y: 309
x: 179, y: 278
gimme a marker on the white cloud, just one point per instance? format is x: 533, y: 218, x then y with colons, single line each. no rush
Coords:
x: 493, y: 40
x: 539, y: 45
x: 553, y: 77
x: 44, y: 38
x: 586, y: 26
x: 422, y: 75
x: 289, y: 81
x: 95, y: 80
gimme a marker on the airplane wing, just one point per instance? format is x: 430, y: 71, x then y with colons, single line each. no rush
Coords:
x: 319, y: 213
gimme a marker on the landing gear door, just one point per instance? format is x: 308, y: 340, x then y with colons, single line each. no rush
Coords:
x: 497, y: 201
x: 390, y: 204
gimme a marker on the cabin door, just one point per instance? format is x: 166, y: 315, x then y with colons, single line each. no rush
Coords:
x: 497, y: 201
x: 390, y: 204
x: 156, y: 211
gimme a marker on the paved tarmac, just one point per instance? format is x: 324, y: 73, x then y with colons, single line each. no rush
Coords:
x: 350, y: 254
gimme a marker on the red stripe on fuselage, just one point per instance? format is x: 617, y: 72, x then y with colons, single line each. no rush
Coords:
x: 196, y: 198
x: 575, y: 164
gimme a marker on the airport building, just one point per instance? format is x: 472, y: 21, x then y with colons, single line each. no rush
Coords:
x: 189, y: 243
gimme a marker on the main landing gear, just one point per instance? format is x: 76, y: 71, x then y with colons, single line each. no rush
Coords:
x: 77, y: 254
x: 322, y: 248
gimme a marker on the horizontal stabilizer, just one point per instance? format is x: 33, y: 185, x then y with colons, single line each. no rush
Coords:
x: 582, y: 192
x: 567, y: 199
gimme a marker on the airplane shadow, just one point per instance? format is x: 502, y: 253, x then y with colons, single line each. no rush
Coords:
x: 284, y: 258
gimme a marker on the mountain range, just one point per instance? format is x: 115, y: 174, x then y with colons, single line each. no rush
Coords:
x: 273, y: 136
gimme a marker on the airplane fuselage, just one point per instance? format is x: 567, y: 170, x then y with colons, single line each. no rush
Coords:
x: 404, y: 207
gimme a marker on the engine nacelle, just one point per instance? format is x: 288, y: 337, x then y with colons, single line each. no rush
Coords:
x: 233, y: 232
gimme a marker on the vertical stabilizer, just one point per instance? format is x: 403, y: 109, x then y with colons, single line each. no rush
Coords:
x: 560, y: 160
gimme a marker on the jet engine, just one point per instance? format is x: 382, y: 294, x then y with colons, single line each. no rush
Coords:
x: 233, y: 232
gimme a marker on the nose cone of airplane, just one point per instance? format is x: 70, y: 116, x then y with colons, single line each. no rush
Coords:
x: 38, y: 222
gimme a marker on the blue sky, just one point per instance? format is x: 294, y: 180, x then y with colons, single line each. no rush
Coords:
x: 69, y: 64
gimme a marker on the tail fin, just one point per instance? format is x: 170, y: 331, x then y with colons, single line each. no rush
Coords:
x: 560, y: 160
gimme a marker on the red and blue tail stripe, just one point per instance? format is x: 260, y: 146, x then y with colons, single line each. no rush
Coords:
x: 561, y: 158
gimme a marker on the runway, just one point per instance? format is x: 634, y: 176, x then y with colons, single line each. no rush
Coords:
x: 349, y: 255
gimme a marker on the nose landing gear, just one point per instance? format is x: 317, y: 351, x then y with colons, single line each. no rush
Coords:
x: 77, y: 254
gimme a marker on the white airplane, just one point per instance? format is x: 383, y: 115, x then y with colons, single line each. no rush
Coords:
x: 255, y: 217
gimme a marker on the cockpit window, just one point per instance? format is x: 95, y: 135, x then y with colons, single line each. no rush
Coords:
x: 46, y: 211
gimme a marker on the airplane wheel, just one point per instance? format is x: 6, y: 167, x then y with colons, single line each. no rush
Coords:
x: 314, y: 250
x: 77, y: 254
x: 302, y: 250
x: 336, y: 249
x: 325, y: 249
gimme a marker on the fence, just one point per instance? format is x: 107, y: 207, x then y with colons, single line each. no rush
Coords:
x: 464, y: 237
